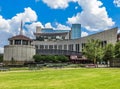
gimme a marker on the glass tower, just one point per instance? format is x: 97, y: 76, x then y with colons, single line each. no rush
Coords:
x: 76, y: 31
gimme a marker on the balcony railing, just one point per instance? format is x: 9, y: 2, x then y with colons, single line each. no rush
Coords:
x: 57, y: 52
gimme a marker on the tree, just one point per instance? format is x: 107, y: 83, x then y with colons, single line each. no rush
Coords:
x: 1, y: 57
x: 108, y: 52
x: 117, y: 50
x: 93, y: 50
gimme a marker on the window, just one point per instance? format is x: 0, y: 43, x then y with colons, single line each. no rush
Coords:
x: 50, y: 46
x: 41, y: 46
x: 11, y: 42
x: 17, y: 42
x: 60, y: 47
x: 55, y: 46
x: 65, y: 47
x: 77, y: 47
x: 46, y: 46
x: 24, y: 42
x: 70, y: 47
x: 36, y: 46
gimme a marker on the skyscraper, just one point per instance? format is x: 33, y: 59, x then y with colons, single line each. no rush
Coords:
x: 76, y: 31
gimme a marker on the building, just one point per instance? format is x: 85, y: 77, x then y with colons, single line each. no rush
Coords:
x: 19, y: 50
x: 68, y: 44
x: 53, y: 42
x: 76, y: 31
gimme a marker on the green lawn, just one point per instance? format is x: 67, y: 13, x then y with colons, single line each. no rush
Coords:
x: 80, y: 78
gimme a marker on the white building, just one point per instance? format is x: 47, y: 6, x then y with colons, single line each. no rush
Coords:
x: 21, y: 48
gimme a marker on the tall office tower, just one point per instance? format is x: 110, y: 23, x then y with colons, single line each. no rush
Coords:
x: 76, y: 31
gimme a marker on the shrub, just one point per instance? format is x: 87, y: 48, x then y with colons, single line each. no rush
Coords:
x: 50, y: 58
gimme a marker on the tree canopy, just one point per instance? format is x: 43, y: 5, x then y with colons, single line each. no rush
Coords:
x: 117, y: 50
x: 108, y: 52
x: 93, y: 50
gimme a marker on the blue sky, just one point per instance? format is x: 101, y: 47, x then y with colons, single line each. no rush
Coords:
x: 93, y: 15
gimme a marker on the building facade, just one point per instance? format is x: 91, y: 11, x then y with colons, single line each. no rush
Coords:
x: 72, y: 46
x: 50, y: 42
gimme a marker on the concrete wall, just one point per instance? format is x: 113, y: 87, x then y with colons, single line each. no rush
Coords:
x: 19, y: 53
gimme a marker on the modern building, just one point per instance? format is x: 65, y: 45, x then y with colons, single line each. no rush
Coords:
x: 53, y: 42
x: 68, y: 44
x: 76, y: 31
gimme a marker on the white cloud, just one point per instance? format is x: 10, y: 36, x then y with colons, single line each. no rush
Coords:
x: 61, y: 27
x: 94, y: 16
x: 48, y: 25
x: 118, y: 31
x: 32, y: 28
x: 10, y: 27
x: 84, y: 34
x: 4, y: 23
x: 117, y: 3
x: 27, y: 16
x: 61, y: 4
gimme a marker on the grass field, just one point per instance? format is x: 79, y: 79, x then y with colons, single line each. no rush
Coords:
x: 80, y: 78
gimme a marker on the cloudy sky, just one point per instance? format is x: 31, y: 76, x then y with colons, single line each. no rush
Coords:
x: 93, y: 15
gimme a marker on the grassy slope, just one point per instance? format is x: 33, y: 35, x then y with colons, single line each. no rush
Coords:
x: 82, y: 78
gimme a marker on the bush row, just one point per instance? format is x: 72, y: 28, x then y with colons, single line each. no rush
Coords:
x: 50, y: 58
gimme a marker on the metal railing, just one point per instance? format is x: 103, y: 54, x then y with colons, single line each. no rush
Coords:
x: 57, y: 52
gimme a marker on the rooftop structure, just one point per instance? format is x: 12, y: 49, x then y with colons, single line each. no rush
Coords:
x: 48, y: 34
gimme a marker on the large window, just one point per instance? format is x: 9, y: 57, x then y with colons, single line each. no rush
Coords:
x: 46, y: 46
x: 77, y: 47
x: 60, y: 47
x: 17, y: 42
x: 50, y: 46
x: 41, y: 46
x: 24, y: 42
x: 55, y: 46
x: 70, y: 47
x: 65, y: 47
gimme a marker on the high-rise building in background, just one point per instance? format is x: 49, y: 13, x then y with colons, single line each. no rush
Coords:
x: 75, y: 31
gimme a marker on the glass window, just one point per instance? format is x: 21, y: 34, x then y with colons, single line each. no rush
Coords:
x: 46, y: 46
x: 65, y: 47
x: 50, y: 46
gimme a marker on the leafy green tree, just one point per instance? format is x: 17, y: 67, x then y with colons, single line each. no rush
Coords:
x: 108, y: 52
x: 93, y: 50
x: 117, y: 50
x: 1, y: 57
